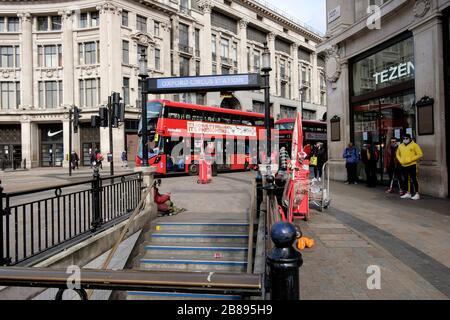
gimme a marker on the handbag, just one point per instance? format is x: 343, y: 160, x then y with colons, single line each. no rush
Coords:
x: 313, y: 161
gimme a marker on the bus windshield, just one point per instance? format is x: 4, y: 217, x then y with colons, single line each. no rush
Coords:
x: 153, y: 113
x: 285, y: 126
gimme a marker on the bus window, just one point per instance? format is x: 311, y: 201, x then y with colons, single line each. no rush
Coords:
x: 173, y: 113
x: 259, y: 122
x: 236, y: 119
x: 197, y: 115
x: 188, y: 114
x: 225, y: 118
x: 210, y: 117
x: 246, y: 121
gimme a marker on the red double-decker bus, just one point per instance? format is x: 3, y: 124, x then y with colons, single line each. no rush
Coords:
x: 179, y: 132
x: 313, y: 132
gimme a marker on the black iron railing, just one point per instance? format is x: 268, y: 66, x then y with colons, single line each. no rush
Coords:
x: 35, y: 221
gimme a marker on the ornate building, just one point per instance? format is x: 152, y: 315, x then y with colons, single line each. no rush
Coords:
x: 57, y: 54
x: 388, y: 75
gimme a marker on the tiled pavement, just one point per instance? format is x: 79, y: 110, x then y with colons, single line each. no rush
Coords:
x: 365, y: 227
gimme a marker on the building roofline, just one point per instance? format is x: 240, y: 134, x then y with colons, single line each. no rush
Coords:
x: 283, y: 17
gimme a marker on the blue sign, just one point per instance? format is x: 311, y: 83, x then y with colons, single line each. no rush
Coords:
x: 235, y: 82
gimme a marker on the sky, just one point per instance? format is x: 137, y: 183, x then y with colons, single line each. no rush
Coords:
x: 311, y: 12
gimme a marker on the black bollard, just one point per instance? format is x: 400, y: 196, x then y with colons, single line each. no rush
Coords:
x: 284, y: 263
x: 96, y: 208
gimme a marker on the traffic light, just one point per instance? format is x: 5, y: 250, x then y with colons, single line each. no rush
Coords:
x: 118, y: 109
x: 76, y: 119
x: 103, y: 114
x: 95, y: 121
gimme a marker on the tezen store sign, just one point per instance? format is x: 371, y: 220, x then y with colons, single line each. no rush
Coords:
x: 396, y: 72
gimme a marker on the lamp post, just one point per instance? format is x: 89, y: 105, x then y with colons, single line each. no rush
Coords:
x: 266, y: 68
x: 143, y: 74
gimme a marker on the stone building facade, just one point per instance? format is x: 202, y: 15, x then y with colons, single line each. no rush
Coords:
x: 387, y: 65
x: 57, y: 54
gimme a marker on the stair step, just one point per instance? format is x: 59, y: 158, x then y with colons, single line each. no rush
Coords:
x: 229, y: 238
x: 197, y: 251
x: 187, y: 227
x: 193, y: 265
x: 136, y: 295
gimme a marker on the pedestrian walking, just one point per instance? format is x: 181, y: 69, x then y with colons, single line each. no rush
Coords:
x: 352, y: 157
x: 369, y: 156
x: 124, y: 158
x: 74, y: 159
x: 408, y: 155
x: 392, y: 168
x: 96, y: 159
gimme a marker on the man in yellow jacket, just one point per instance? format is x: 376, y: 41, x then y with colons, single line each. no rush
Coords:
x: 408, y: 154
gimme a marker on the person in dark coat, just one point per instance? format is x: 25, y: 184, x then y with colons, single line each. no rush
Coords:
x: 319, y: 152
x: 369, y: 157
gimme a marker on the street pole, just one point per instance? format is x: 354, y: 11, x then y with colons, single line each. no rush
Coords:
x: 267, y: 114
x: 70, y: 140
x: 110, y: 124
x: 143, y: 74
x: 266, y: 68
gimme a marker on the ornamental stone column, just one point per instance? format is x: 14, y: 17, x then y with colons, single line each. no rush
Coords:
x: 175, y: 45
x: 243, y: 59
x: 68, y: 58
x: 430, y: 81
x: 111, y: 70
x: 26, y: 54
x: 295, y: 72
x: 271, y: 44
x: 315, y: 84
x: 206, y: 50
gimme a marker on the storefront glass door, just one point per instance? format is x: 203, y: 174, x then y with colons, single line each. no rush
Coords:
x: 52, y: 147
x: 377, y: 121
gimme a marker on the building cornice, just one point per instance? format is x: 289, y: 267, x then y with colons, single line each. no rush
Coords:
x: 290, y: 22
x: 387, y: 10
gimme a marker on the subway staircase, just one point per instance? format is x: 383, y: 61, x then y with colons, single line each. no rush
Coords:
x: 194, y: 247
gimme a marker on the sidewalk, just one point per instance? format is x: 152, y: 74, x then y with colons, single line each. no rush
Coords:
x: 13, y: 181
x: 409, y: 241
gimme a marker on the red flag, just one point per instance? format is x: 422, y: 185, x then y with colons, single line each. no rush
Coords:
x: 297, y: 140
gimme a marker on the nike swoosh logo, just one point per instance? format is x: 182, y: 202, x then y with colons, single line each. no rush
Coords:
x: 52, y: 134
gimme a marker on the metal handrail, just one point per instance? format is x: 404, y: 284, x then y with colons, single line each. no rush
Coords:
x: 132, y: 280
x: 37, y: 221
x: 251, y: 226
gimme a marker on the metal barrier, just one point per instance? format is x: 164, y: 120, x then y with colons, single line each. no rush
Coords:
x: 164, y: 281
x: 34, y: 221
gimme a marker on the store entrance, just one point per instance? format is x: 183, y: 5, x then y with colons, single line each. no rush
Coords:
x: 10, y: 147
x: 90, y: 141
x: 10, y: 156
x: 376, y: 122
x: 52, y: 146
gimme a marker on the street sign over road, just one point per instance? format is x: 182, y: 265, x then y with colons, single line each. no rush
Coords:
x: 222, y: 83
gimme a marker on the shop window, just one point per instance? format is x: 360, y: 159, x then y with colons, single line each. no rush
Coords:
x: 390, y: 66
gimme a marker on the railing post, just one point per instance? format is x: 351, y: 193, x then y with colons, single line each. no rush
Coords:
x: 97, y: 220
x: 284, y: 263
x: 4, y: 261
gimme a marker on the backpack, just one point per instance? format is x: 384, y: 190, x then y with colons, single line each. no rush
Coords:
x: 99, y: 157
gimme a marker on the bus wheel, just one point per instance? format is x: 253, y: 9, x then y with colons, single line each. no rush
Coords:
x: 193, y: 169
